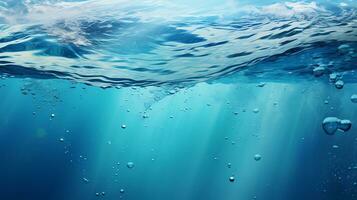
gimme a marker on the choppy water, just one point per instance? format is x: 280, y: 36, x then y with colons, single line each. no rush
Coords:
x: 203, y: 99
x: 110, y: 43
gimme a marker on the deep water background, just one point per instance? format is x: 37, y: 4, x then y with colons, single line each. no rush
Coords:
x: 190, y: 92
x: 192, y: 135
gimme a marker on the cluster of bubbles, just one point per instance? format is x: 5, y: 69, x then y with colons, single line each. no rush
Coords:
x: 332, y: 124
x: 335, y: 77
x: 129, y: 165
x: 257, y: 157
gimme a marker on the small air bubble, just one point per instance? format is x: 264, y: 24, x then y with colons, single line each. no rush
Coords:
x: 257, y: 157
x: 130, y: 165
x: 354, y: 98
x: 231, y: 179
x: 339, y: 84
x: 262, y: 84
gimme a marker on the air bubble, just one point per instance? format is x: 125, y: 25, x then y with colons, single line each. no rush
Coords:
x: 339, y: 84
x: 333, y: 77
x: 262, y: 84
x: 231, y: 179
x: 354, y: 98
x: 257, y: 157
x: 345, y: 125
x: 318, y: 71
x: 130, y: 165
x: 332, y: 124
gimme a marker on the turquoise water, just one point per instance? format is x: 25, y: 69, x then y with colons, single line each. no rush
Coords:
x: 178, y: 100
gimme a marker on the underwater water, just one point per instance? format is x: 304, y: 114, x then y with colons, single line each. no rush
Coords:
x: 178, y: 99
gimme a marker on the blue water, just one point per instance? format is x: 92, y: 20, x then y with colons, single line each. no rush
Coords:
x: 182, y: 100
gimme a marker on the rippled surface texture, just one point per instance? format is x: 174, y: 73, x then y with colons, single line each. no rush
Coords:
x: 178, y: 100
x: 109, y: 43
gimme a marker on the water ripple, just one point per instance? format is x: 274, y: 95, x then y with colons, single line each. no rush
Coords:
x: 144, y: 46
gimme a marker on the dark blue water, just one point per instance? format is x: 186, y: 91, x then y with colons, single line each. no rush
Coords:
x: 178, y: 100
